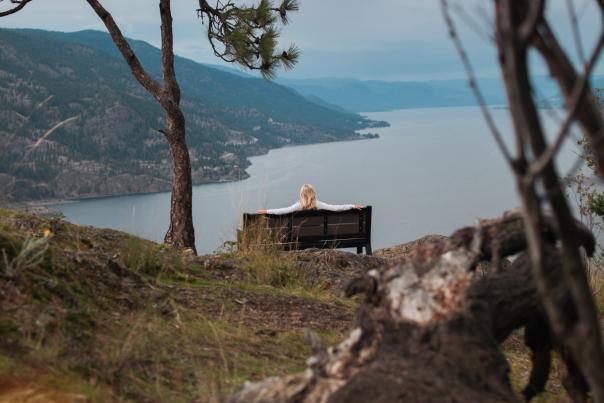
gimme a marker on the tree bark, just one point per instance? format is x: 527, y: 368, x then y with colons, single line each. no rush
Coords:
x: 180, y: 233
x: 137, y: 69
x: 430, y: 328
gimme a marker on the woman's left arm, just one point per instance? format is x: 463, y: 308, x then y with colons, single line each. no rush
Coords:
x: 337, y: 207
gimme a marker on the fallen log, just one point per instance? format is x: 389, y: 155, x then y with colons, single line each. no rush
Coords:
x: 430, y: 327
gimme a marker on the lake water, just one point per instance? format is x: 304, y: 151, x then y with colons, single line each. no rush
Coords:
x: 431, y: 172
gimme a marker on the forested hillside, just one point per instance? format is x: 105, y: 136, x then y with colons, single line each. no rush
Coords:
x: 108, y: 143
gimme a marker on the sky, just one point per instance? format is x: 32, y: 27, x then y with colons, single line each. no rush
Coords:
x: 377, y: 39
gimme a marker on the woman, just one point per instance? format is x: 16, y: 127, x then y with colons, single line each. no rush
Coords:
x: 308, y: 201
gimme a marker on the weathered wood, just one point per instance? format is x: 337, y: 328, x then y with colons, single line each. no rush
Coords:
x: 430, y: 328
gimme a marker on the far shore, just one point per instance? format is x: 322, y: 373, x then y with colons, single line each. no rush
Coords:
x: 32, y: 205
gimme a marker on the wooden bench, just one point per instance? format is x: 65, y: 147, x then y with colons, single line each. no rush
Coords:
x: 312, y: 229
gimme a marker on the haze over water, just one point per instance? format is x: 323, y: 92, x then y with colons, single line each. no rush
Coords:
x: 432, y: 171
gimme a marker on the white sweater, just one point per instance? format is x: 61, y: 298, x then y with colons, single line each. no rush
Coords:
x: 320, y: 206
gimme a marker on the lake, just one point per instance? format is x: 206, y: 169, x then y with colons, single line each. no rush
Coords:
x: 432, y: 171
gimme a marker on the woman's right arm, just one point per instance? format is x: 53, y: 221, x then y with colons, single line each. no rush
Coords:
x: 285, y: 210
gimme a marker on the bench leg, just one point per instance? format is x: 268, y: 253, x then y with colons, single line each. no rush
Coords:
x: 359, y: 250
x: 367, y: 249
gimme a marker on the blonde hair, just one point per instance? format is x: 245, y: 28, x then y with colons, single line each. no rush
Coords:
x: 308, y: 197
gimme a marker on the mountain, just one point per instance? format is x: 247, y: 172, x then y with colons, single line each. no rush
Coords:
x: 556, y: 100
x: 233, y: 70
x: 109, y: 144
x: 372, y: 96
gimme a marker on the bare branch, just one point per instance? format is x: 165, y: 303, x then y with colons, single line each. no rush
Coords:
x: 575, y: 28
x: 601, y: 5
x: 562, y: 70
x: 20, y: 4
x: 473, y: 83
x: 128, y: 54
x: 579, y: 161
x: 472, y: 23
x: 576, y: 98
x: 535, y: 14
x: 167, y: 51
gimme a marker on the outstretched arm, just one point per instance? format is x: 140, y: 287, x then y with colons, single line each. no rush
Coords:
x: 337, y: 207
x: 280, y: 211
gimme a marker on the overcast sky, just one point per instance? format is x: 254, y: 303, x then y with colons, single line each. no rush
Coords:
x: 377, y: 39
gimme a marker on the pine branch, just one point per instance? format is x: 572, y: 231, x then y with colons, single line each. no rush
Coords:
x: 248, y: 35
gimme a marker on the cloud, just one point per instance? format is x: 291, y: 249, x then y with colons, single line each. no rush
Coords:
x: 387, y: 39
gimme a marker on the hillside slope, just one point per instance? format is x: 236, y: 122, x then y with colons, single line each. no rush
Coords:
x: 98, y: 315
x: 111, y: 145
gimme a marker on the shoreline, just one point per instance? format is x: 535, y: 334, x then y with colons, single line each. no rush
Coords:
x: 52, y: 202
x: 45, y: 204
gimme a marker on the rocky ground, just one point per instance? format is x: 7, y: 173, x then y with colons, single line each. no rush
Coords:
x: 98, y: 315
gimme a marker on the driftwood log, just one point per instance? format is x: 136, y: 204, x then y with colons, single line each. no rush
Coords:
x: 430, y: 327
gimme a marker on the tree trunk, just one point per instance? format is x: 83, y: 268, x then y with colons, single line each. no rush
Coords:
x: 430, y: 328
x: 180, y: 234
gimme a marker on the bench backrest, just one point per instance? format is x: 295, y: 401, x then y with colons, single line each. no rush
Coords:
x: 314, y: 228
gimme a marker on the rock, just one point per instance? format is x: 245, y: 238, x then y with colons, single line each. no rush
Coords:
x: 333, y: 267
x: 409, y: 249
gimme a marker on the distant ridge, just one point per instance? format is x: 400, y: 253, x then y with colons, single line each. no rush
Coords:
x: 374, y: 95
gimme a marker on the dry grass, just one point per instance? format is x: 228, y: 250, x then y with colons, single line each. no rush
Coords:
x: 597, y: 286
x: 265, y: 265
x: 257, y: 236
x: 104, y: 316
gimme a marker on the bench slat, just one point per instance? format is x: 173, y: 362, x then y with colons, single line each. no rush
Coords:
x: 343, y: 229
x: 344, y: 218
x: 300, y: 232
x: 307, y: 221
